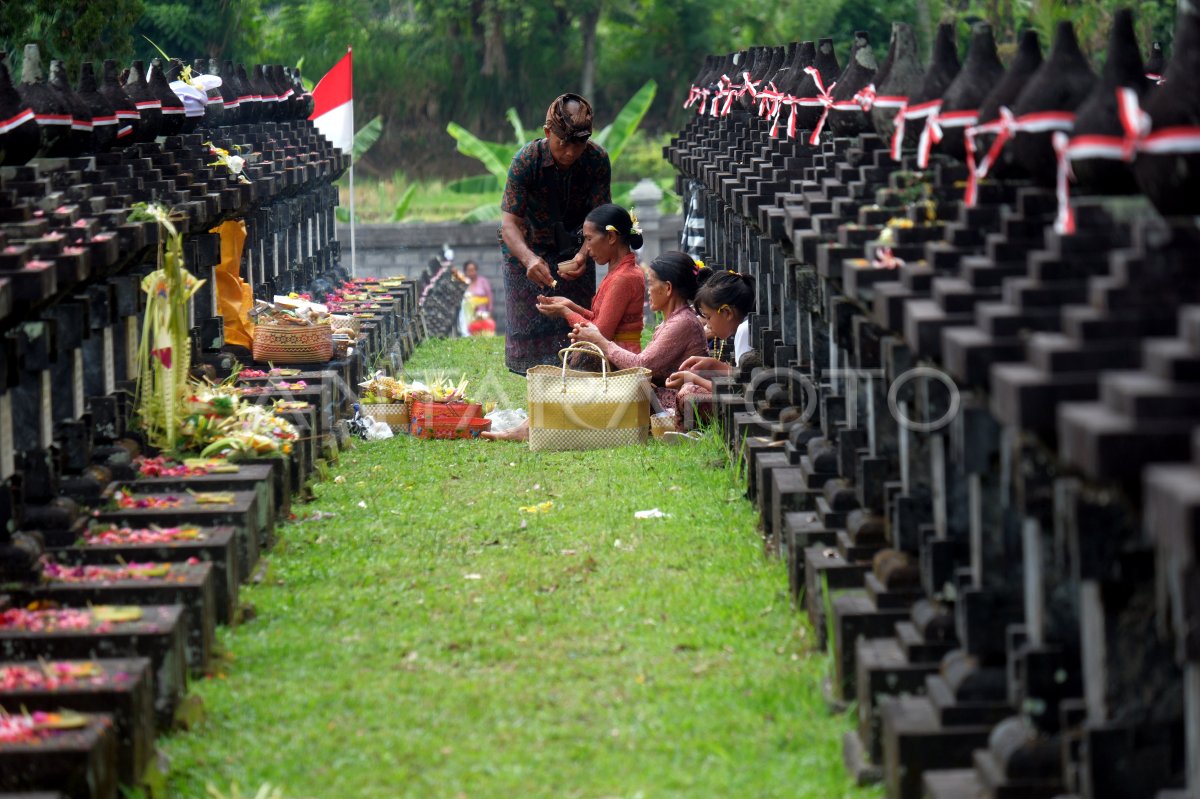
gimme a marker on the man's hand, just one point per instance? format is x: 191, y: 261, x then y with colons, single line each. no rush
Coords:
x: 539, y: 272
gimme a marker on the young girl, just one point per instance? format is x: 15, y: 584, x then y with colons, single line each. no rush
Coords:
x: 610, y: 236
x: 725, y: 300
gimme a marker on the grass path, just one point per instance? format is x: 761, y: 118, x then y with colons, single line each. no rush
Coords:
x: 432, y: 639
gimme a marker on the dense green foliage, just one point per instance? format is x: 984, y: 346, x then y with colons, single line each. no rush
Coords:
x: 420, y: 63
x: 71, y: 31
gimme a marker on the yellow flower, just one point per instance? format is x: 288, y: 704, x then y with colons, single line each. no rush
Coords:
x: 539, y: 508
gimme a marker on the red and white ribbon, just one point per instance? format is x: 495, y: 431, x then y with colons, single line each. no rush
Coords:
x: 124, y: 116
x: 1158, y: 80
x: 867, y: 98
x: 17, y: 120
x: 1137, y: 138
x: 723, y: 89
x: 918, y: 111
x: 768, y: 101
x: 824, y: 100
x: 54, y: 119
x: 1005, y: 126
x: 731, y: 90
x: 82, y: 125
x: 693, y: 96
x: 148, y: 105
x: 885, y: 259
x: 1064, y: 221
x: 791, y: 102
x: 1135, y: 126
x: 1179, y: 140
x: 748, y: 85
x: 934, y: 130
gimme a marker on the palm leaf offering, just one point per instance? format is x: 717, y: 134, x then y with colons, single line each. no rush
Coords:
x: 164, y: 350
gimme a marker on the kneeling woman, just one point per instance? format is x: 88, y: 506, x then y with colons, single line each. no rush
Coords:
x: 724, y: 300
x: 610, y: 236
x: 671, y: 283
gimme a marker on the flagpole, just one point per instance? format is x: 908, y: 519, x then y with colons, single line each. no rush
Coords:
x: 353, y: 254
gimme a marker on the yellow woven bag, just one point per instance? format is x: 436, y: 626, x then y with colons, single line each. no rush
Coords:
x: 571, y: 409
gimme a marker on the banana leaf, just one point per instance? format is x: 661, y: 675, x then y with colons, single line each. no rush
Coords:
x: 366, y: 137
x: 477, y: 184
x: 615, y: 135
x: 471, y: 145
x: 515, y: 120
x: 484, y: 213
x: 620, y: 192
x: 405, y: 203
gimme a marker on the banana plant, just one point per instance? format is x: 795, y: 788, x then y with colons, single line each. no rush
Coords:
x: 496, y: 156
x: 364, y: 139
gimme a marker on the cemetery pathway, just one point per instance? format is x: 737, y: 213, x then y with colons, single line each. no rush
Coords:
x: 470, y: 619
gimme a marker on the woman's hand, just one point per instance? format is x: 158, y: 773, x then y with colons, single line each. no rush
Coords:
x: 552, y: 306
x: 702, y: 363
x: 588, y: 332
x: 575, y: 270
x: 539, y: 272
x: 678, y: 380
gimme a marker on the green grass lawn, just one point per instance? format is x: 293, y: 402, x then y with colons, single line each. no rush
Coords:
x: 432, y: 639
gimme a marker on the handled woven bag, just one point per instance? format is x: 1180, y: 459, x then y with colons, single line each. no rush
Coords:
x: 575, y: 410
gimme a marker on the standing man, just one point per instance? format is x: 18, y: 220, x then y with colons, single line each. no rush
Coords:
x: 553, y: 183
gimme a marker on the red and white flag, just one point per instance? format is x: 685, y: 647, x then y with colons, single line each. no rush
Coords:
x: 333, y: 104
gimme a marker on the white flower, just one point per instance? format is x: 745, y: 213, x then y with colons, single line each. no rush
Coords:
x: 236, y: 164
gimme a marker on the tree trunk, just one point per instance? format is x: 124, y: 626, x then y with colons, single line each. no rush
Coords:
x: 495, y: 60
x: 924, y: 26
x: 588, y: 23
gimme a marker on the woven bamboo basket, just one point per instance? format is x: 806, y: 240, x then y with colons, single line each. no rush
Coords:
x: 393, y: 414
x: 347, y: 322
x: 293, y: 343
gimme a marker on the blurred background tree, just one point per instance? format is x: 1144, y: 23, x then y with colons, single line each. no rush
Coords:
x: 422, y: 63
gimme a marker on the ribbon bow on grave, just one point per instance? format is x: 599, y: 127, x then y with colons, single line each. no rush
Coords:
x: 1005, y: 126
x: 823, y: 100
x: 1136, y: 138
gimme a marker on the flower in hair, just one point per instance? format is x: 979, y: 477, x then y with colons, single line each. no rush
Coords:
x: 613, y: 229
x: 634, y: 227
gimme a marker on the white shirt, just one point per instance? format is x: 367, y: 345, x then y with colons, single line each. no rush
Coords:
x: 741, y: 340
